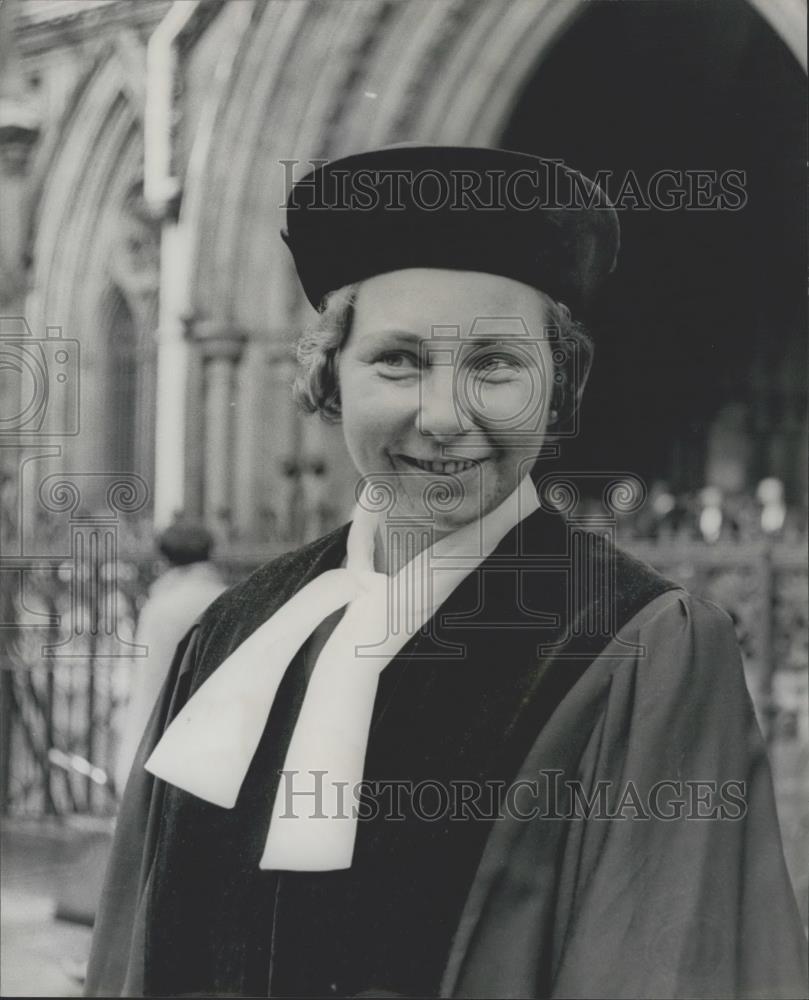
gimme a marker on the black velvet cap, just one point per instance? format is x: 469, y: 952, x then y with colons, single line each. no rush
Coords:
x: 472, y: 209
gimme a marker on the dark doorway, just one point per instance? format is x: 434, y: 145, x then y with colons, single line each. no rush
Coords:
x: 707, y: 312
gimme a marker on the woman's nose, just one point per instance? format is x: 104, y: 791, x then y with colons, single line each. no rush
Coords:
x: 439, y: 414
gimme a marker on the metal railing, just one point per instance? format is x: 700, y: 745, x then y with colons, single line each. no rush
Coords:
x: 69, y: 654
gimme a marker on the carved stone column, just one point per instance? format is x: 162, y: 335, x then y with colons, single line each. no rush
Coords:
x: 285, y: 456
x: 19, y: 130
x: 134, y: 266
x: 221, y: 348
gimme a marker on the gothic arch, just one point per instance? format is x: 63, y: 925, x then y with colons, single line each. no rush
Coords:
x: 83, y: 229
x: 319, y: 80
x: 315, y: 80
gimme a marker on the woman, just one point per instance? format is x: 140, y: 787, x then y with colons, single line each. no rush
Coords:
x: 461, y: 746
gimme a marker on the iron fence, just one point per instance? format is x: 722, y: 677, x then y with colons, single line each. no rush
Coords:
x: 69, y: 654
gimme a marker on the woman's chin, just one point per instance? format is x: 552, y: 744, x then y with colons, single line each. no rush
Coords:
x: 446, y: 502
x: 447, y: 523
x: 458, y: 511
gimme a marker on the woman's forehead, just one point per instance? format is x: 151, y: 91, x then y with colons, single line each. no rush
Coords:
x: 419, y: 299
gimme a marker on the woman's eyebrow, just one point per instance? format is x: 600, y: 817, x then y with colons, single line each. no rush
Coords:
x: 390, y: 335
x: 495, y: 342
x: 441, y: 340
x: 397, y: 332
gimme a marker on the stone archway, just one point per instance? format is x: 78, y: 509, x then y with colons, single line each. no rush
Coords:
x: 91, y: 245
x: 319, y: 80
x: 706, y: 310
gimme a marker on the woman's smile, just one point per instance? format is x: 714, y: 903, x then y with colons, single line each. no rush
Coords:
x: 442, y: 467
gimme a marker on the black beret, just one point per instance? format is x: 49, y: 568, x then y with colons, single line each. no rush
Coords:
x: 470, y: 209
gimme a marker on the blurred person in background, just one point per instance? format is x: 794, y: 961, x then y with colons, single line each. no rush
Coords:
x: 176, y: 599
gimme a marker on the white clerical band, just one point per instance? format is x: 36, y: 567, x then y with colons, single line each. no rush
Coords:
x: 208, y: 747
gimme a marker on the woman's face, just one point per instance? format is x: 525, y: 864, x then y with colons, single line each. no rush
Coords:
x: 445, y: 384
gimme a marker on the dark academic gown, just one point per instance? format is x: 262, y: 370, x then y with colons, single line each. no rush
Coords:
x: 561, y: 668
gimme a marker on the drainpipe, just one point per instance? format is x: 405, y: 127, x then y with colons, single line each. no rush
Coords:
x: 162, y: 190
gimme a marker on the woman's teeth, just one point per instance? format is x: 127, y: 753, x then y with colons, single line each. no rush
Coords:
x: 445, y: 468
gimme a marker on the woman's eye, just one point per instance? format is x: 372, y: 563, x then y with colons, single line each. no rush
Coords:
x: 496, y: 366
x: 398, y: 362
